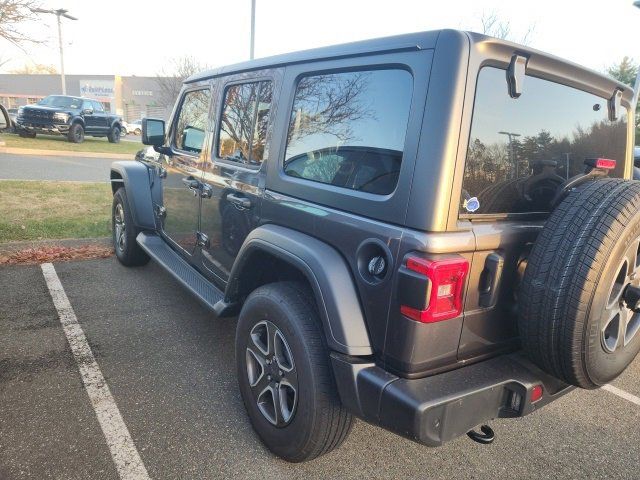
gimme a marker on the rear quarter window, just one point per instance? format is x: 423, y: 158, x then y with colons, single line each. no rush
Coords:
x: 348, y: 129
x: 522, y: 150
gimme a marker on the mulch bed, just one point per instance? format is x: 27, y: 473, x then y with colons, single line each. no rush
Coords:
x: 55, y: 253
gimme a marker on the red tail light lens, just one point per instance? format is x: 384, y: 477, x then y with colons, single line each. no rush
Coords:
x: 447, y: 278
x: 605, y: 163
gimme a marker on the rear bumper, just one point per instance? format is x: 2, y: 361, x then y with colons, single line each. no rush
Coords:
x: 436, y: 409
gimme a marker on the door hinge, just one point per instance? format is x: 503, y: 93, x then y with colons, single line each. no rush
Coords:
x: 161, y: 212
x: 202, y: 240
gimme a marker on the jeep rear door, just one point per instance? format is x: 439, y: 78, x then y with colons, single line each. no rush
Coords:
x: 234, y: 176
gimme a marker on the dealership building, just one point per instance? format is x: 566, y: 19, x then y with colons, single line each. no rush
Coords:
x: 130, y: 97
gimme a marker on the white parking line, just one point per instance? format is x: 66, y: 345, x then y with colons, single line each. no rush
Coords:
x: 622, y: 394
x: 123, y: 451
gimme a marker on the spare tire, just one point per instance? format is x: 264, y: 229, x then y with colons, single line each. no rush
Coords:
x: 575, y: 315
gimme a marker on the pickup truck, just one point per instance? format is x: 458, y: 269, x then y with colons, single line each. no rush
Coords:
x: 73, y: 117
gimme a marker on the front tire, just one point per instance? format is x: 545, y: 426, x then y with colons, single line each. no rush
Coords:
x: 124, y: 232
x: 285, y: 376
x: 25, y: 134
x: 114, y: 135
x: 76, y: 133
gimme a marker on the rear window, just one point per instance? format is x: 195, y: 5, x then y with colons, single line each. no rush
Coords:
x: 348, y: 129
x: 522, y: 150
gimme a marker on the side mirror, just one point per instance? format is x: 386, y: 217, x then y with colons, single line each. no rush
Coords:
x: 87, y: 111
x: 5, y: 122
x: 153, y: 132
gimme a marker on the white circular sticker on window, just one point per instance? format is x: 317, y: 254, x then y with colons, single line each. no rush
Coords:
x: 471, y: 204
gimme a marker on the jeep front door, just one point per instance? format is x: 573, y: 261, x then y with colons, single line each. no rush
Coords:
x: 234, y: 177
x: 181, y: 187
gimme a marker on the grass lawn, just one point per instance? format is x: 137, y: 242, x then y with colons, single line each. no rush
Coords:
x: 46, y: 210
x: 53, y: 142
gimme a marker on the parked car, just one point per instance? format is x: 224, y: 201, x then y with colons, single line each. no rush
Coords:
x: 135, y: 127
x: 73, y: 117
x: 405, y: 232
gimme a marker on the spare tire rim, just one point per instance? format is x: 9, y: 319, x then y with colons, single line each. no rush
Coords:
x: 272, y: 374
x: 620, y: 322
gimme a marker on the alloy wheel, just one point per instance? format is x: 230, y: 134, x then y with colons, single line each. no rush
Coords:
x: 620, y: 322
x: 119, y: 226
x: 271, y: 373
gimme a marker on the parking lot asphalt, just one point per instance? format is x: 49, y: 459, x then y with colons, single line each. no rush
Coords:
x: 170, y: 368
x: 35, y: 167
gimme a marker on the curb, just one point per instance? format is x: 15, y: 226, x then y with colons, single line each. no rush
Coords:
x: 66, y: 153
x: 11, y: 247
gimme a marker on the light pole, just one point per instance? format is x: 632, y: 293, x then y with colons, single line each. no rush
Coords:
x: 512, y: 156
x: 60, y: 12
x: 253, y: 29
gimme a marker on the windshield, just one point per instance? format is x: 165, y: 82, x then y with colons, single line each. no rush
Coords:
x: 522, y: 150
x: 60, y: 101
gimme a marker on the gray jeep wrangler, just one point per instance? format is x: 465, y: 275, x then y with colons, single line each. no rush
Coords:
x: 426, y: 231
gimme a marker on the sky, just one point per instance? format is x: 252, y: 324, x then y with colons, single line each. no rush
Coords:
x: 141, y: 37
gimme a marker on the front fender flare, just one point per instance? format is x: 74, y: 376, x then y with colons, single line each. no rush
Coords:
x: 327, y: 273
x: 135, y: 178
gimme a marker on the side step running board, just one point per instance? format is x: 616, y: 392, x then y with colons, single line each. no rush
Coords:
x: 188, y: 276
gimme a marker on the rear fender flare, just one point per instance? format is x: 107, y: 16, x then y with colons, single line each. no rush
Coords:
x: 328, y: 275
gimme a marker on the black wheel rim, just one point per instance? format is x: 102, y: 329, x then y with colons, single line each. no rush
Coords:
x: 620, y: 324
x: 79, y: 134
x: 272, y: 375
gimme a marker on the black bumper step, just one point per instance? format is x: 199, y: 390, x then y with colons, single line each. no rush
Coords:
x: 188, y: 276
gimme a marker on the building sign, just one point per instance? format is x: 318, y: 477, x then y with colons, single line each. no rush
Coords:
x: 98, y: 89
x: 142, y: 93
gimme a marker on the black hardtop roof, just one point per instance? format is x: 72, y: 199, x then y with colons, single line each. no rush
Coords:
x: 409, y: 41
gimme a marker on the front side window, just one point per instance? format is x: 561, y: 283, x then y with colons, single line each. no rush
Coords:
x: 244, y: 122
x: 97, y: 107
x: 348, y: 129
x: 522, y: 150
x: 192, y: 121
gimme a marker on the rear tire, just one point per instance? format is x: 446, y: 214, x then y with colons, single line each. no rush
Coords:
x: 279, y: 327
x: 114, y: 135
x: 575, y: 321
x: 124, y: 232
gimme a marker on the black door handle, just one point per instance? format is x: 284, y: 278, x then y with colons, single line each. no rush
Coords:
x: 191, y: 182
x: 238, y: 200
x: 490, y: 280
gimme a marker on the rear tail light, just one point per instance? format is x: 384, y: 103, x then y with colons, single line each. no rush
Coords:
x: 443, y: 299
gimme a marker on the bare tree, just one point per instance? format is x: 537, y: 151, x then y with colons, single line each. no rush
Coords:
x: 36, y: 69
x: 170, y: 78
x: 13, y: 14
x: 494, y: 26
